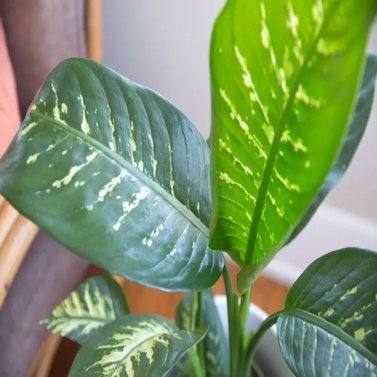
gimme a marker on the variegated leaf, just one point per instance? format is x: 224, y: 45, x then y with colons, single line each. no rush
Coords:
x: 350, y: 143
x: 134, y: 346
x: 329, y: 324
x: 280, y: 116
x: 118, y: 175
x: 216, y: 350
x: 97, y: 301
x: 348, y: 148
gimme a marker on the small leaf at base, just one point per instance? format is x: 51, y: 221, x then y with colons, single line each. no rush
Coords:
x: 329, y: 324
x: 135, y: 345
x: 97, y: 301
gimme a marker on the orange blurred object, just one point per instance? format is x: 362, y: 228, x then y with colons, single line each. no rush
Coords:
x: 9, y: 109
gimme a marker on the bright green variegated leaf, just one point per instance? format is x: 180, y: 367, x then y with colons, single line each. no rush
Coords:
x: 329, y: 324
x: 136, y: 345
x: 216, y: 350
x: 97, y: 301
x: 118, y: 175
x: 351, y: 141
x: 284, y: 80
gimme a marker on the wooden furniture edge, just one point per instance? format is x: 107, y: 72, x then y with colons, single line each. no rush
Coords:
x: 93, y: 29
x: 43, y: 360
x: 16, y: 235
x: 94, y: 41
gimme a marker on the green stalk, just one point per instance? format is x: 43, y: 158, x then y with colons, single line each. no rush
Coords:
x: 195, y: 362
x: 248, y: 357
x: 232, y: 306
x: 193, y: 311
x: 199, y: 324
x: 194, y: 353
x: 244, y: 315
x: 237, y: 336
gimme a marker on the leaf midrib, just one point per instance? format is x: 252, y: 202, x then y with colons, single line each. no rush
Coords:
x: 79, y: 318
x: 263, y: 189
x: 137, y: 346
x: 124, y: 164
x: 332, y: 329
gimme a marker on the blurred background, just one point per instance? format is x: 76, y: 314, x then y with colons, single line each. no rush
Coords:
x: 164, y: 45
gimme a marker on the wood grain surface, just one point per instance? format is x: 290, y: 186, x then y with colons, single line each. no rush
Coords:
x: 16, y: 235
x: 94, y: 29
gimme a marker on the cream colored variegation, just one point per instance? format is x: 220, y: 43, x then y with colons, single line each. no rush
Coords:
x: 215, y: 346
x: 109, y: 180
x: 95, y: 303
x: 134, y: 346
x: 329, y: 324
x: 78, y: 309
x: 340, y: 353
x: 275, y: 124
x: 131, y: 344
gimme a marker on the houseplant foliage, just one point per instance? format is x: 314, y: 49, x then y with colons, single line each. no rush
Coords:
x: 122, y: 178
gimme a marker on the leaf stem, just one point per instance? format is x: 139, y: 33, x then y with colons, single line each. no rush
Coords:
x: 193, y: 311
x: 244, y: 314
x: 248, y: 356
x: 232, y: 306
x: 195, y: 362
x: 195, y: 354
x: 199, y: 324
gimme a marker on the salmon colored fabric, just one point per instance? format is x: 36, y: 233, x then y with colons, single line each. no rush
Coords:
x: 9, y: 110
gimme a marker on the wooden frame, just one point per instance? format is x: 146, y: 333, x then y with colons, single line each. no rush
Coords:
x: 17, y: 233
x: 93, y: 29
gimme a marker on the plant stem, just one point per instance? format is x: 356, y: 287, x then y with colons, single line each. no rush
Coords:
x: 195, y: 362
x: 199, y: 324
x: 193, y: 311
x: 248, y: 356
x: 244, y: 314
x: 232, y: 305
x: 194, y: 353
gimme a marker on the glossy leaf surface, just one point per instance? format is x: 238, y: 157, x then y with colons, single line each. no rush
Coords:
x: 118, y: 175
x: 329, y: 325
x: 215, y: 343
x: 96, y: 302
x: 136, y: 345
x: 351, y: 141
x: 284, y: 79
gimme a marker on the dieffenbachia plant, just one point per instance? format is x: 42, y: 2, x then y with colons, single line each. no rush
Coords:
x: 122, y: 178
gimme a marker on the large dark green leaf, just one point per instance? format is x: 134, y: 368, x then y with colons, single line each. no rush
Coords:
x: 118, y: 175
x: 284, y: 80
x: 96, y: 302
x: 351, y: 142
x: 215, y: 343
x: 329, y: 325
x: 136, y: 345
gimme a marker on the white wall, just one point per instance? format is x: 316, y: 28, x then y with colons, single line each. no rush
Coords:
x: 164, y: 45
x: 357, y: 192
